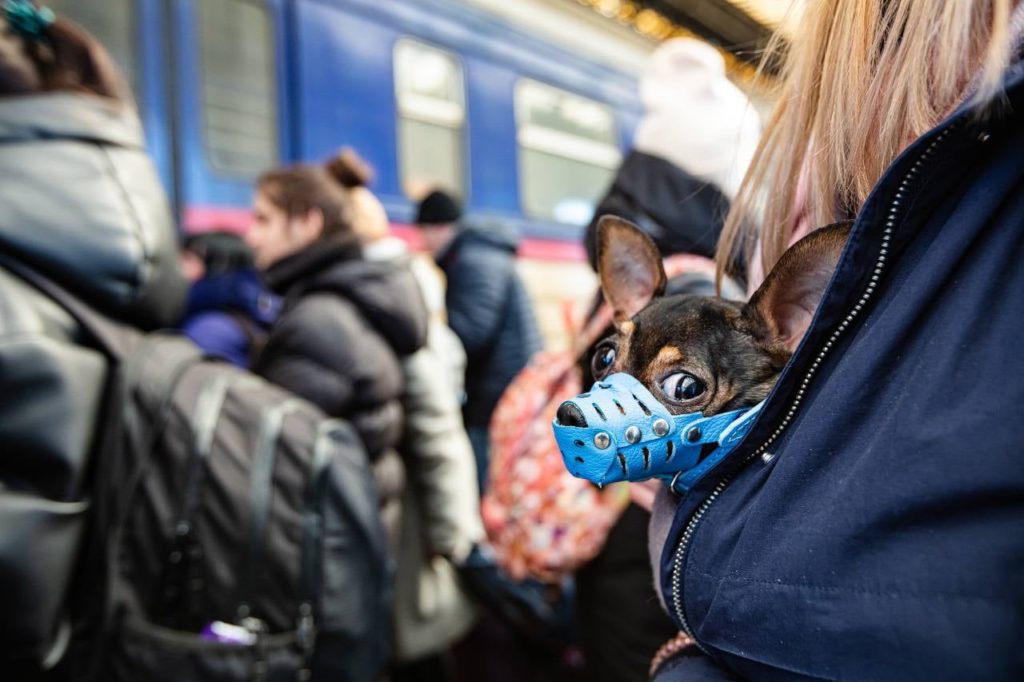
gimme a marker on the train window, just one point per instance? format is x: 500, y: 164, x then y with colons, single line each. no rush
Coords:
x: 238, y: 88
x: 112, y: 22
x: 431, y: 102
x: 567, y: 152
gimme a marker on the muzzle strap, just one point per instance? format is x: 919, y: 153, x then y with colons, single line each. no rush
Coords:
x: 631, y: 436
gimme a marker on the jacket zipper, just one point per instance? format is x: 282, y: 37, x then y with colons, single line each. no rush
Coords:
x: 880, y: 263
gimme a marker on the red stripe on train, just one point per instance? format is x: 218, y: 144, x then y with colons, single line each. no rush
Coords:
x: 207, y: 218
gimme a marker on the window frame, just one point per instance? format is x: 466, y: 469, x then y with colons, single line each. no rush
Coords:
x: 273, y: 99
x: 559, y: 143
x: 431, y: 111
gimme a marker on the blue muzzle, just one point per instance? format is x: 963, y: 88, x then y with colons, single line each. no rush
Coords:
x: 630, y: 436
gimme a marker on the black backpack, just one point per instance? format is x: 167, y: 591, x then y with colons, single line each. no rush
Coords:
x: 235, y: 531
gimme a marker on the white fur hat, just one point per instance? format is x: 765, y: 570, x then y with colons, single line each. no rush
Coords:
x: 695, y: 117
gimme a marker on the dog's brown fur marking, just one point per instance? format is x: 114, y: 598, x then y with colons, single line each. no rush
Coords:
x: 736, y: 351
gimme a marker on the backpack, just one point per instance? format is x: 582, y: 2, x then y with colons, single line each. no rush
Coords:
x: 235, y: 530
x: 541, y: 521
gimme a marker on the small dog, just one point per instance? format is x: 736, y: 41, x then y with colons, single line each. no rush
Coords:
x: 704, y: 354
x: 695, y: 353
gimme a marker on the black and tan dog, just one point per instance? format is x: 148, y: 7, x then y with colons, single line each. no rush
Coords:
x: 704, y: 354
x: 701, y: 354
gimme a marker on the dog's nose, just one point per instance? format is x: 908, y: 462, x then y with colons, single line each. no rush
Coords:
x: 570, y: 415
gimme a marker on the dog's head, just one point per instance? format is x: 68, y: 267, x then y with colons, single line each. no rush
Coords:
x: 704, y: 354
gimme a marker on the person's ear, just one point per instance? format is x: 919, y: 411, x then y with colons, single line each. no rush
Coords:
x: 783, y: 306
x: 309, y: 227
x: 629, y: 266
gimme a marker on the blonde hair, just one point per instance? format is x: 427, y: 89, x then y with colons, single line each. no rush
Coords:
x: 370, y: 221
x: 862, y: 79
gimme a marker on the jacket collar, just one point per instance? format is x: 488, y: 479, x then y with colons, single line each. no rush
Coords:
x: 296, y: 271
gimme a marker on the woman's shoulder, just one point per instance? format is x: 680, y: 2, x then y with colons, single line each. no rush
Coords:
x: 321, y: 312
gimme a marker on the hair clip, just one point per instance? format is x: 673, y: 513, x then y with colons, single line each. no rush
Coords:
x: 26, y: 19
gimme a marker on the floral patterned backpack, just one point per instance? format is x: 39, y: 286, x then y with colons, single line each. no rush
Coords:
x: 541, y: 521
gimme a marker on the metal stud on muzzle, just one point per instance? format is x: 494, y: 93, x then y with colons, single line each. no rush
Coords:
x: 618, y: 431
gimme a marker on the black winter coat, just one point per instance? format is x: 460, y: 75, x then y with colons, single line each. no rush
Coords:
x: 80, y: 201
x: 871, y: 524
x: 336, y: 343
x: 679, y: 212
x: 491, y: 312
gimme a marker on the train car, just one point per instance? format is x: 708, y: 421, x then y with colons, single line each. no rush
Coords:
x: 482, y: 98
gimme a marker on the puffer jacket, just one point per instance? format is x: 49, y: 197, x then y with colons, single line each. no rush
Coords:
x: 871, y: 524
x: 681, y: 213
x: 344, y: 325
x: 81, y: 203
x: 490, y: 311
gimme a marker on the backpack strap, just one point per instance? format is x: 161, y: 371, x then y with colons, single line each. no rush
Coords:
x: 114, y: 339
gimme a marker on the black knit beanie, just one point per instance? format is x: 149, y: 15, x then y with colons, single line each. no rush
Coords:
x: 438, y: 208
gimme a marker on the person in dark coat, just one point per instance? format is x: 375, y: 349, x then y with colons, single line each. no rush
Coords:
x: 488, y: 308
x: 230, y: 310
x: 345, y: 321
x: 869, y: 526
x: 80, y: 203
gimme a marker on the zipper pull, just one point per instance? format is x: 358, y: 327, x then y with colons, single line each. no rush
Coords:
x: 254, y: 625
x: 305, y: 638
x: 258, y: 628
x: 305, y: 634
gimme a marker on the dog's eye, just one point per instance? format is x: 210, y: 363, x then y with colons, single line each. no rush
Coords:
x: 682, y: 386
x: 604, y: 357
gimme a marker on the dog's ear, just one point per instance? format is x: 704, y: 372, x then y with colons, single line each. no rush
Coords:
x: 785, y: 303
x: 629, y: 266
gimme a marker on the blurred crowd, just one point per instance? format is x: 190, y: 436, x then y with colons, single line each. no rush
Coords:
x: 498, y: 565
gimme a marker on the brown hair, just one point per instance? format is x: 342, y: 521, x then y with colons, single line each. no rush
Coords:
x: 369, y: 219
x: 862, y: 79
x: 301, y: 188
x: 63, y: 57
x: 350, y: 169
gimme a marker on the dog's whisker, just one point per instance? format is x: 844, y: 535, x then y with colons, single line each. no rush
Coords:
x: 599, y: 412
x: 622, y: 410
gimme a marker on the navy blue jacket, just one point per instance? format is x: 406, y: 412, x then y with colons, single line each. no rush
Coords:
x: 871, y: 525
x: 491, y: 312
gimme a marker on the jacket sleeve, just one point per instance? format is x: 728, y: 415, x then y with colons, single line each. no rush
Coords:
x: 693, y: 668
x: 219, y: 334
x: 478, y: 285
x: 439, y: 458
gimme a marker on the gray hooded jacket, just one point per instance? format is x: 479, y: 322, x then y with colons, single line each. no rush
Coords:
x: 81, y: 203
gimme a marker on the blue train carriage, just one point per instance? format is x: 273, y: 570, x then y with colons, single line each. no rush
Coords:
x: 477, y: 96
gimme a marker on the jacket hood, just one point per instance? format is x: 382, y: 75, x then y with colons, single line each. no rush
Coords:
x: 384, y: 291
x: 81, y: 202
x: 242, y: 291
x: 490, y: 234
